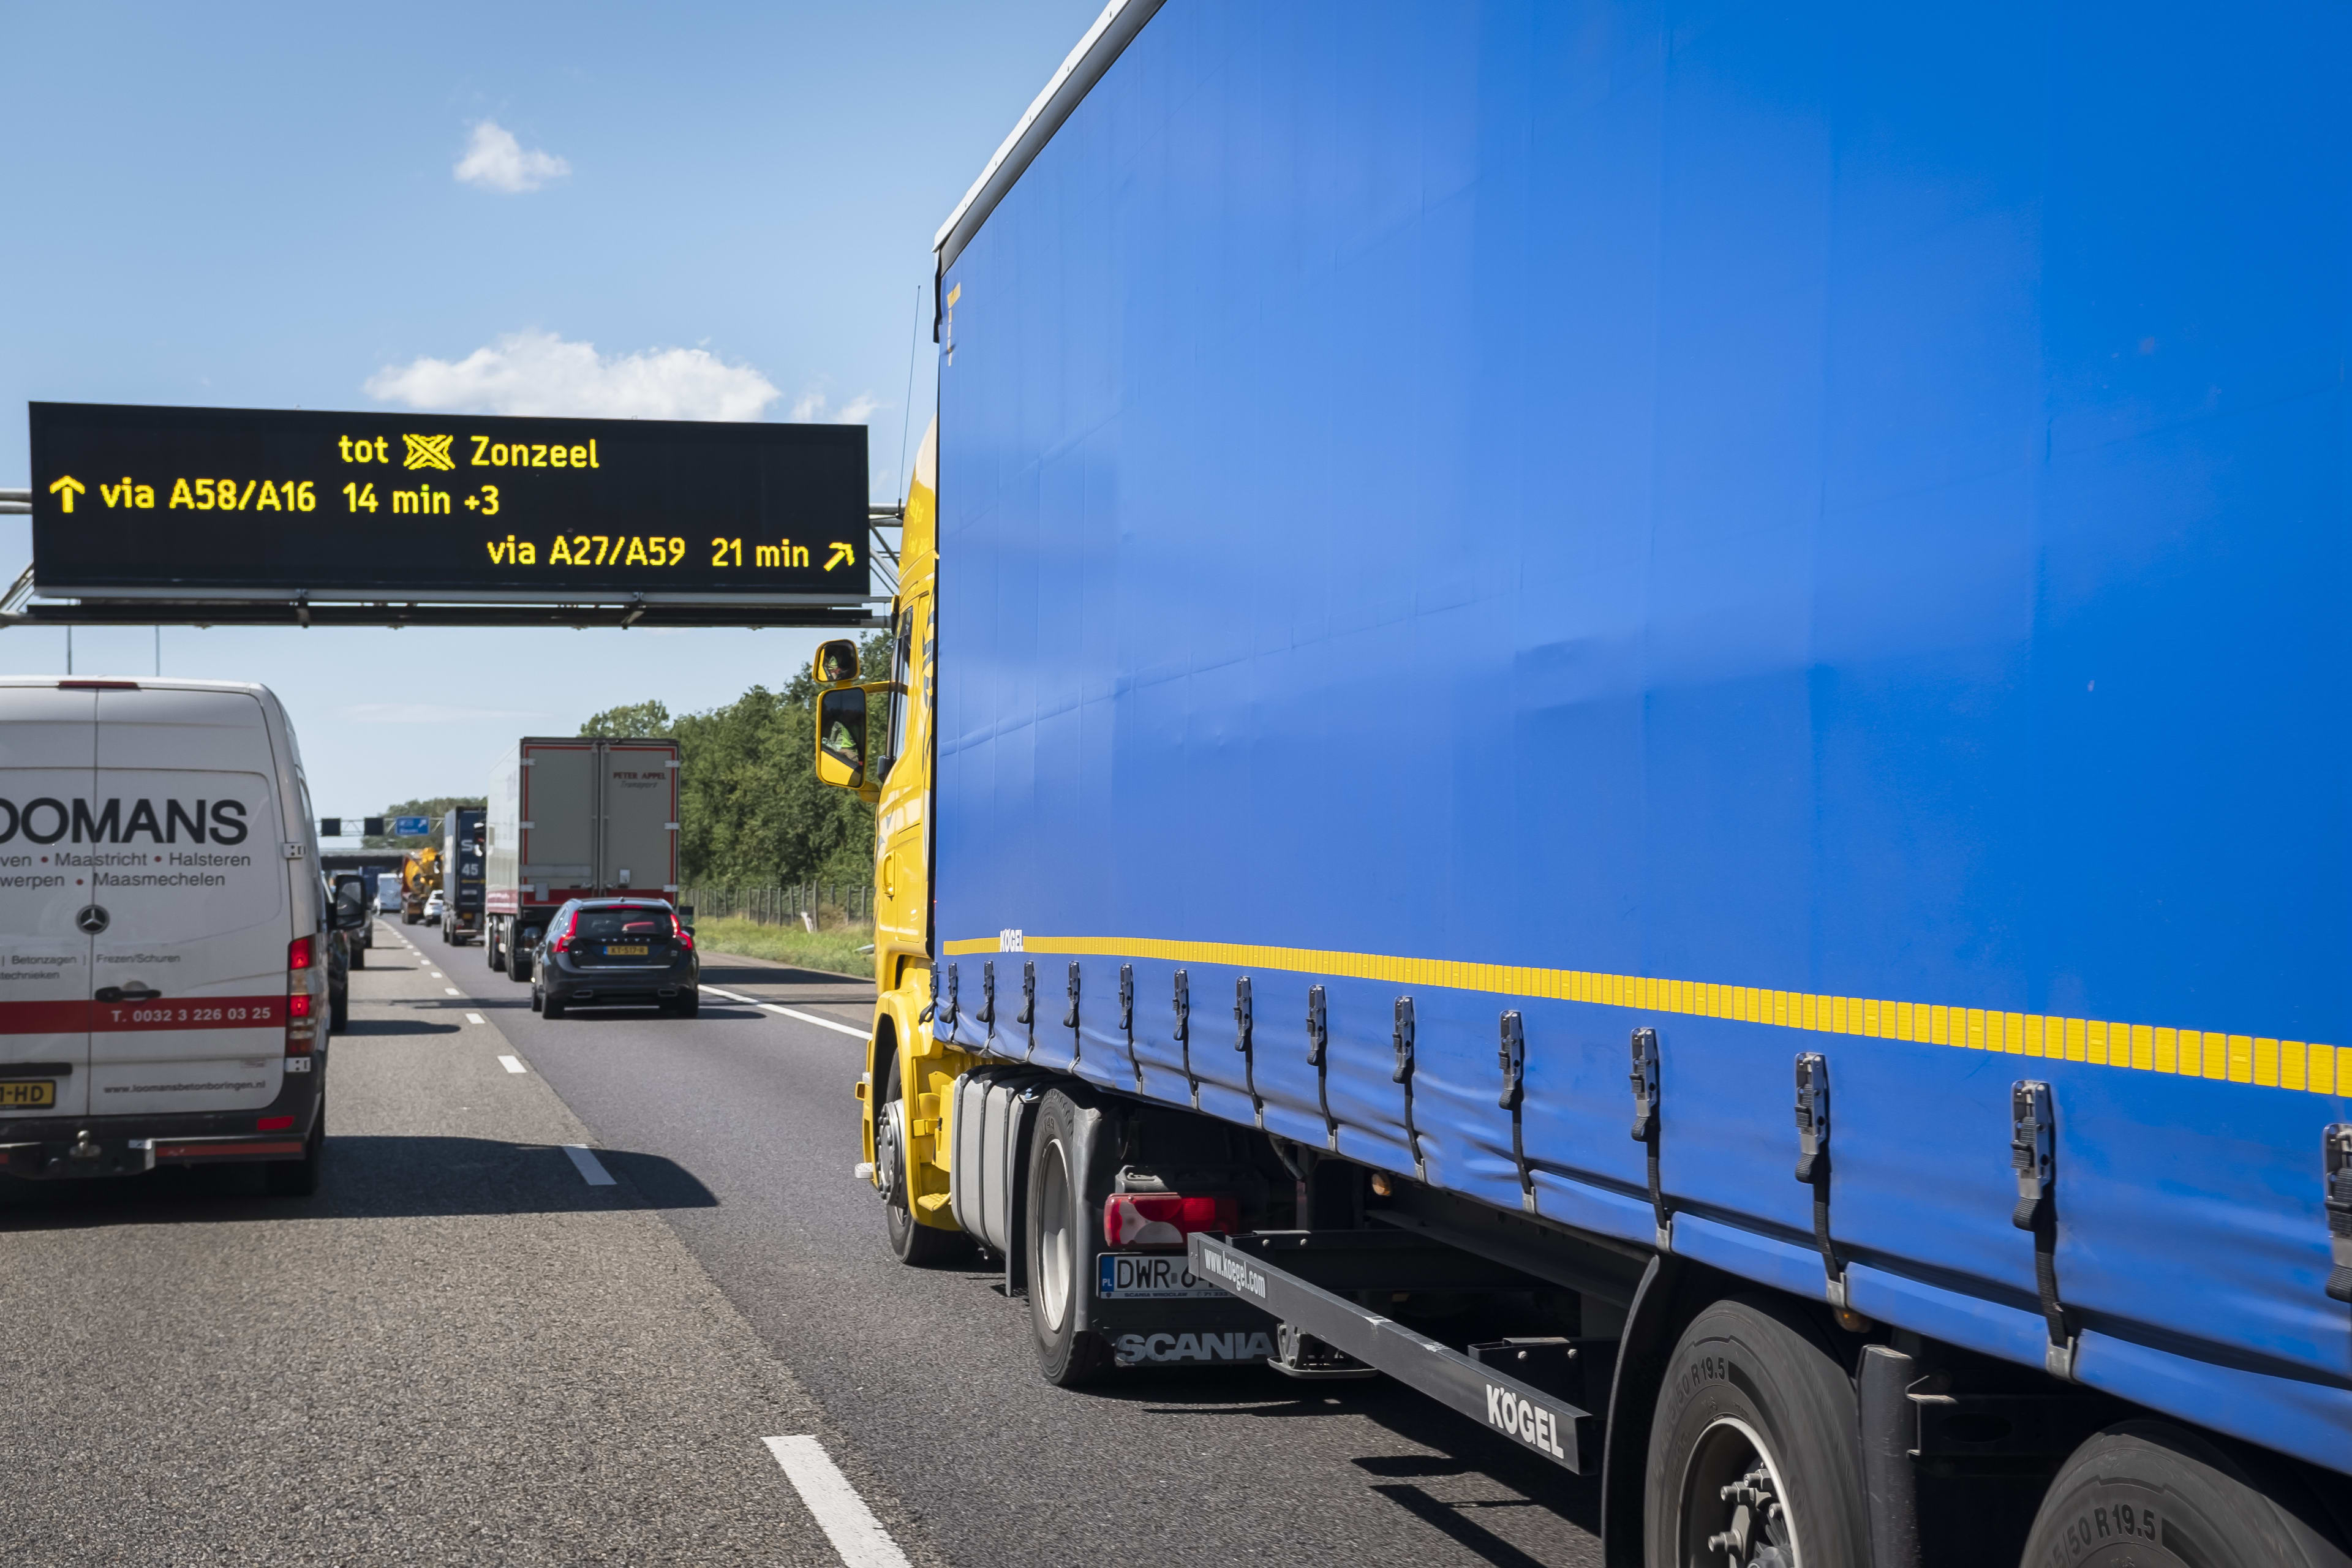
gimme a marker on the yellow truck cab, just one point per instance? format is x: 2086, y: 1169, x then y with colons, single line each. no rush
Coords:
x: 876, y: 737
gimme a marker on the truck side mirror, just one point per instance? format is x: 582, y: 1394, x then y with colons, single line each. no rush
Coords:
x: 841, y: 738
x: 836, y: 661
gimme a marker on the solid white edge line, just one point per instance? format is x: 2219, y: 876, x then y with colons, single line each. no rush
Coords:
x: 840, y: 1512
x: 592, y: 1170
x: 812, y: 1018
x: 512, y: 1063
x: 473, y: 1017
x: 787, y: 1011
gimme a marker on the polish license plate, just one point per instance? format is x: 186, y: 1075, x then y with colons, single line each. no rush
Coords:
x: 1134, y: 1276
x: 626, y: 950
x: 27, y: 1093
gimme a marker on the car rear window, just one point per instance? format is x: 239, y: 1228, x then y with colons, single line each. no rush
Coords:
x: 597, y: 925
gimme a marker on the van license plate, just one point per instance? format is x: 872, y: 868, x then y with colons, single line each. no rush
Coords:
x: 31, y: 1093
x: 1130, y: 1276
x: 624, y: 950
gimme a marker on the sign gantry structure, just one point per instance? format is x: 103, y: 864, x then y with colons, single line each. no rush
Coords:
x: 146, y: 516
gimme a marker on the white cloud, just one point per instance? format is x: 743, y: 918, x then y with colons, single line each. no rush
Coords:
x: 427, y: 713
x: 539, y: 373
x: 495, y: 161
x: 813, y: 409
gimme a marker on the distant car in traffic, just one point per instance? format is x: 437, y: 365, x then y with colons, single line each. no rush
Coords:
x: 433, y: 908
x: 351, y: 890
x: 616, y: 953
x: 345, y: 917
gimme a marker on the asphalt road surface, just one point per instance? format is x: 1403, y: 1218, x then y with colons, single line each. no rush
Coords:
x: 461, y: 1351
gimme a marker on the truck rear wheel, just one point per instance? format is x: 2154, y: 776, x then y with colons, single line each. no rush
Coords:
x: 518, y: 964
x: 494, y: 952
x: 1059, y: 1235
x: 1753, y: 1447
x: 2149, y: 1494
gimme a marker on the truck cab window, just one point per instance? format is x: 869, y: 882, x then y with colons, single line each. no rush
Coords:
x: 901, y: 671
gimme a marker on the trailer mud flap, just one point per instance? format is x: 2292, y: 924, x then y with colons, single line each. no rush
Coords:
x: 1536, y: 1420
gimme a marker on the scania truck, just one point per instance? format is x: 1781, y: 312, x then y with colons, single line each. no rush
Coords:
x: 1638, y: 717
x: 461, y: 876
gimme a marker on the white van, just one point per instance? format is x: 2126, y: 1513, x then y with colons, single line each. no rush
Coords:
x: 162, y: 932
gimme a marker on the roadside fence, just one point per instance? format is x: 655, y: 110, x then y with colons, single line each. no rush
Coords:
x: 806, y: 904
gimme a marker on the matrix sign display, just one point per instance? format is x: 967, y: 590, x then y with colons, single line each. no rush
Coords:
x: 192, y: 500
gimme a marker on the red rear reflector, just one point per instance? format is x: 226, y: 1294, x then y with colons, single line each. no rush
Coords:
x: 202, y: 1150
x: 1165, y: 1219
x: 298, y: 1006
x: 273, y: 1125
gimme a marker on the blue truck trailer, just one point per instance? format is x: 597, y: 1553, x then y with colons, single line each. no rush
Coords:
x: 1638, y: 713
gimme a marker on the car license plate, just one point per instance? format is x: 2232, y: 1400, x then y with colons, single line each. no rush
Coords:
x: 31, y: 1093
x: 624, y: 950
x: 1133, y: 1276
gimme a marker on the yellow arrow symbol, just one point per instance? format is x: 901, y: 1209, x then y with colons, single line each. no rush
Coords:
x: 843, y: 555
x: 70, y: 487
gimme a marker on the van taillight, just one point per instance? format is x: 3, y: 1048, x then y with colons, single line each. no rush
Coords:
x: 1165, y: 1219
x: 301, y: 1022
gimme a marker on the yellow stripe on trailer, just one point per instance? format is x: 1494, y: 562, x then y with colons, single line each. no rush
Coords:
x: 2187, y: 1053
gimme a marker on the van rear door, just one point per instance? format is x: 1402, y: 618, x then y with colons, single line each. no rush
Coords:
x: 190, y: 969
x: 48, y: 759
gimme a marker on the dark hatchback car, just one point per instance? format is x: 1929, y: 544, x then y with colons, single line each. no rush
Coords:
x: 616, y: 953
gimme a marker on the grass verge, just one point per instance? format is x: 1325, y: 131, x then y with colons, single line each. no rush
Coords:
x: 833, y: 948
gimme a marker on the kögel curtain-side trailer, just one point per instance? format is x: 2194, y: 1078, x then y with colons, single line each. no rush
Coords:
x: 1641, y: 719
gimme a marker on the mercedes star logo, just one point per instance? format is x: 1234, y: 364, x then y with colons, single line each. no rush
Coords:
x: 92, y: 920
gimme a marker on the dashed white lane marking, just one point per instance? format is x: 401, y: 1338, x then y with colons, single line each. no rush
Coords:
x: 840, y: 1512
x: 473, y: 1017
x: 592, y: 1170
x: 452, y: 990
x: 512, y: 1063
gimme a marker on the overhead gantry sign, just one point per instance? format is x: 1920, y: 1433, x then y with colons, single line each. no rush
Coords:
x: 214, y: 515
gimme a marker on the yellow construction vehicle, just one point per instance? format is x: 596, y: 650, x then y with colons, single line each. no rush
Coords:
x: 420, y: 879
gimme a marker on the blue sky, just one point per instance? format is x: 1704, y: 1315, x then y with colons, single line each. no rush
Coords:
x: 262, y: 205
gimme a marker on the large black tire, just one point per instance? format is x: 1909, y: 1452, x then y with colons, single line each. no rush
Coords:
x: 1066, y: 1157
x: 551, y: 1007
x: 913, y: 1243
x: 359, y: 958
x: 339, y: 1011
x: 2154, y: 1495
x: 405, y: 918
x: 687, y: 1006
x: 1754, y: 1437
x: 494, y: 952
x: 519, y: 965
x: 300, y: 1178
